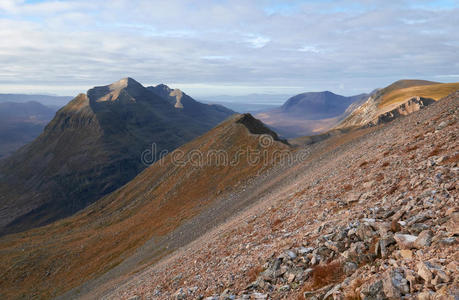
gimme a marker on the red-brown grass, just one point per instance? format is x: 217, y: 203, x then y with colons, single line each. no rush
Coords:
x: 411, y: 148
x: 253, y: 273
x: 347, y: 188
x: 434, y: 152
x: 323, y: 275
x: 363, y: 164
x: 392, y: 189
x: 451, y: 159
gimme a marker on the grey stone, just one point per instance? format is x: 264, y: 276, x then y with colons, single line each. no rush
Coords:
x: 303, y: 250
x: 291, y: 254
x: 405, y: 241
x: 424, y: 239
x: 373, y: 291
x: 349, y: 268
x: 449, y: 241
x: 394, y: 284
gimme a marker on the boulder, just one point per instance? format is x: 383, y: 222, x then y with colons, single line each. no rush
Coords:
x: 408, y: 241
x: 373, y: 291
x: 424, y: 239
x: 394, y: 284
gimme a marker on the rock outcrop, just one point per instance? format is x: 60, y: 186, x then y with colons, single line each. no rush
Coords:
x: 409, y: 106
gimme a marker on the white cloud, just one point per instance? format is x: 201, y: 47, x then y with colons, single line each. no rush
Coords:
x: 216, y: 57
x: 311, y: 49
x: 258, y: 41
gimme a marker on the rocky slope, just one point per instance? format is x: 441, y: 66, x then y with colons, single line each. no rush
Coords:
x: 372, y: 214
x: 94, y: 145
x: 308, y: 113
x: 166, y: 206
x: 397, y: 94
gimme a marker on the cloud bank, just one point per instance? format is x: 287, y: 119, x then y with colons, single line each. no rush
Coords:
x: 236, y: 47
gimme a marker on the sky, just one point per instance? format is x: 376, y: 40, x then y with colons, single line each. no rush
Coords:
x: 226, y: 47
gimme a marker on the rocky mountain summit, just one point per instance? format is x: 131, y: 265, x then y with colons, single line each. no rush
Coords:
x: 369, y: 215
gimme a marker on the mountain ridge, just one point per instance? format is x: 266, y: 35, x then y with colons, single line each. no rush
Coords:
x: 91, y: 147
x: 383, y: 100
x: 149, y: 208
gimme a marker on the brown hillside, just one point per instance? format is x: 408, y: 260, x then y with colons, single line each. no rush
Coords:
x: 434, y: 91
x: 50, y: 260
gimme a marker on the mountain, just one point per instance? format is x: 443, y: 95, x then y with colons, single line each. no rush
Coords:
x: 96, y: 143
x: 48, y: 100
x: 314, y: 106
x: 397, y: 94
x: 21, y: 123
x: 166, y: 206
x: 308, y: 113
x: 366, y: 214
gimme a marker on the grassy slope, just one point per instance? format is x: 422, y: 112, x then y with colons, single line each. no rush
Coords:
x: 434, y: 91
x: 395, y: 94
x: 47, y: 261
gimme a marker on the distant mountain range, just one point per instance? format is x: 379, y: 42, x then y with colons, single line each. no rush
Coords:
x: 93, y: 146
x: 251, y: 103
x: 21, y: 123
x: 48, y: 100
x: 308, y: 113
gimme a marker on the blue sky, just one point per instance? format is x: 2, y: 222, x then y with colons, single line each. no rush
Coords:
x: 234, y: 47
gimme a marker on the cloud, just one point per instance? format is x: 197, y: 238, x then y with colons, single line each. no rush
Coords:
x: 312, y: 49
x: 266, y: 44
x: 258, y: 41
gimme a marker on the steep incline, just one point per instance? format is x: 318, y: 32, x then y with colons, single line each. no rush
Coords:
x: 368, y: 215
x: 93, y: 146
x: 193, y: 184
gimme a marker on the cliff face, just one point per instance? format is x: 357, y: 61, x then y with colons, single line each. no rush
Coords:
x: 410, y: 106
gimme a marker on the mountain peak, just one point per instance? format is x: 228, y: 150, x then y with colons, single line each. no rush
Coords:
x: 123, y: 83
x: 173, y: 95
x: 255, y: 126
x: 113, y: 91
